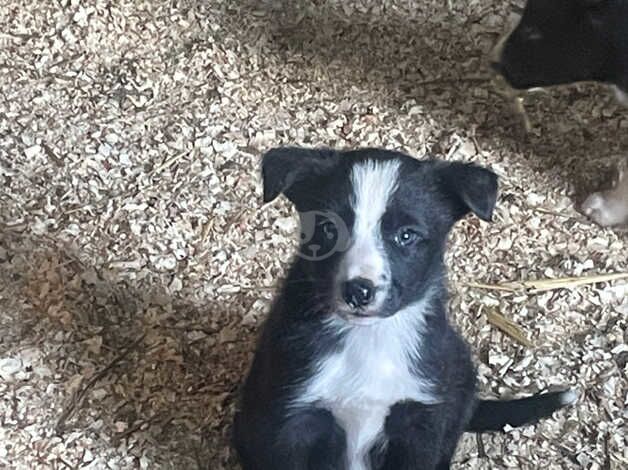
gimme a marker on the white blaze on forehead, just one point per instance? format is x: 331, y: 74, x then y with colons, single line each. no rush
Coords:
x: 373, y: 182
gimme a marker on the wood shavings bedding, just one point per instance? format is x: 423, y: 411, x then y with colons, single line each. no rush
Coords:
x: 136, y: 260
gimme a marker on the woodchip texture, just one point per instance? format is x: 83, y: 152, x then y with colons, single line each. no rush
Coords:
x: 137, y: 261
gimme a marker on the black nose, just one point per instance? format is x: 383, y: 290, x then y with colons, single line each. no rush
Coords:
x: 358, y: 292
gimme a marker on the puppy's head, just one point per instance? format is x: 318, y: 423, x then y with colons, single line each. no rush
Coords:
x: 374, y: 222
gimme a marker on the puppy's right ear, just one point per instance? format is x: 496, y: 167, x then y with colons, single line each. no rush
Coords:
x: 283, y: 167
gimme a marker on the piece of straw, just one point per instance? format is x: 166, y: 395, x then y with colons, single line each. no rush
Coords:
x: 543, y: 285
x: 508, y: 327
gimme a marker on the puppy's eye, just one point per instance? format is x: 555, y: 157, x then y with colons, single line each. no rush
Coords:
x: 407, y: 236
x: 329, y: 230
x: 530, y: 33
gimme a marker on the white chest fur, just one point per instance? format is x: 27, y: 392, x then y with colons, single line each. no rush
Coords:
x: 360, y: 383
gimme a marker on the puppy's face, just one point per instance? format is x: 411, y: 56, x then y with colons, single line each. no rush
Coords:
x: 374, y: 222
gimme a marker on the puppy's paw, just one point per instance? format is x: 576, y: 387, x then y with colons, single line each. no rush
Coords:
x: 408, y: 418
x: 605, y: 209
x: 595, y: 208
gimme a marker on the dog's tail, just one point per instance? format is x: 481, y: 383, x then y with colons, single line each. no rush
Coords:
x: 493, y: 415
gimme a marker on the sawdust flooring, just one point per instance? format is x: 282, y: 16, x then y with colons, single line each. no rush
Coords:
x: 137, y: 262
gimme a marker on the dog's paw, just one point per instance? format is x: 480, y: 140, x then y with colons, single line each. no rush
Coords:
x: 595, y: 208
x: 605, y: 210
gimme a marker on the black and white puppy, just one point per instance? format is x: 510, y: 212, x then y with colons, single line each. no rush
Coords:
x: 357, y: 366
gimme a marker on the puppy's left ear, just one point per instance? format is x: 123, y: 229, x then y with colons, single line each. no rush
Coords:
x: 473, y: 187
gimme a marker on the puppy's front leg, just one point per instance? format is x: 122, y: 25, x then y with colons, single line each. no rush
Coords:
x: 414, y: 435
x: 310, y: 439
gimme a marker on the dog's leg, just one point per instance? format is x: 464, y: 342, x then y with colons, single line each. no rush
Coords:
x: 453, y: 432
x: 309, y: 440
x: 414, y: 437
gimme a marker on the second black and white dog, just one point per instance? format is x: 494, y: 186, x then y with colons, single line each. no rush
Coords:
x: 566, y: 41
x: 357, y: 366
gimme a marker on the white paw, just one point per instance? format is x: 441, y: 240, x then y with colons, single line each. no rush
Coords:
x: 605, y: 209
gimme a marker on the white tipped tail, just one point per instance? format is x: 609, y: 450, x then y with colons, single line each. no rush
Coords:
x: 568, y: 397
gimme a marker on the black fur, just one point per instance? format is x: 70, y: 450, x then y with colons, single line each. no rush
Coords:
x: 270, y: 434
x: 565, y: 41
x: 493, y: 415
